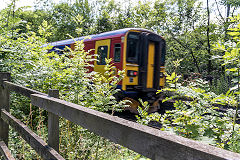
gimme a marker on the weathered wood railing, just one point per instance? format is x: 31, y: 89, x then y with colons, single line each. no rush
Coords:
x: 145, y: 140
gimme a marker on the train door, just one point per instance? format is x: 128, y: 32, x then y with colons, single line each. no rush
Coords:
x: 150, y: 62
x: 102, y: 49
x: 150, y: 65
x: 116, y: 54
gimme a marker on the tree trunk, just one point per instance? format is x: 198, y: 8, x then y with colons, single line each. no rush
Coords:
x: 208, y: 39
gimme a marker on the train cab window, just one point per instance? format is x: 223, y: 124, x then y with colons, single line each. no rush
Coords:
x: 132, y: 47
x: 102, y: 54
x: 117, y: 52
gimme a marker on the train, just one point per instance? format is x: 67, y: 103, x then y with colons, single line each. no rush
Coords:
x: 140, y: 52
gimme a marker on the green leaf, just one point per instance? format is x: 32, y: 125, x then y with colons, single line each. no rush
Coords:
x: 233, y: 33
x: 232, y: 69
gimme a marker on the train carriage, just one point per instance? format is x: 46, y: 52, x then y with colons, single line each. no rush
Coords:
x: 140, y: 52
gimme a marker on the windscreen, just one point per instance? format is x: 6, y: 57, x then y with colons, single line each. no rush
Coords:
x: 133, y: 47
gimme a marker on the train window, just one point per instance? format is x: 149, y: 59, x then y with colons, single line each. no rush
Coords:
x: 117, y: 52
x: 132, y: 47
x: 102, y: 54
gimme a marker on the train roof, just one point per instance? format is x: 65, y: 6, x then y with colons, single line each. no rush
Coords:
x: 97, y: 36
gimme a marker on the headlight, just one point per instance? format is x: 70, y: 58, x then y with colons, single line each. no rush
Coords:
x: 131, y: 73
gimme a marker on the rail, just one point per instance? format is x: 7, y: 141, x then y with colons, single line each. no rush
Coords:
x: 150, y: 142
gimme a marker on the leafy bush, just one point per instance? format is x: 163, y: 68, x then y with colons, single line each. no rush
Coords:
x: 199, y: 117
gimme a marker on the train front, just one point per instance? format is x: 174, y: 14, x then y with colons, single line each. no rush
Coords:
x: 144, y: 65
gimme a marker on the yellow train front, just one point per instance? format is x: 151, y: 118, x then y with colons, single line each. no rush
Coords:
x: 140, y: 52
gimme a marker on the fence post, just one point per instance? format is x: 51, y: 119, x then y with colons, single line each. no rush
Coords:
x: 53, y: 124
x: 4, y: 104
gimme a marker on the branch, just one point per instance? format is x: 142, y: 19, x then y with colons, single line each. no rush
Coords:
x: 233, y: 11
x: 190, y: 51
x: 219, y: 11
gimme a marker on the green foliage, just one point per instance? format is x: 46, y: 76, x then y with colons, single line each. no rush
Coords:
x: 232, y: 3
x: 198, y: 117
x: 78, y: 143
x: 220, y: 85
x: 144, y: 117
x: 231, y: 58
x: 172, y: 79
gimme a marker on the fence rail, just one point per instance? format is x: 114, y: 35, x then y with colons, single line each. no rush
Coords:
x: 5, y: 151
x: 20, y: 89
x: 40, y: 146
x: 150, y: 142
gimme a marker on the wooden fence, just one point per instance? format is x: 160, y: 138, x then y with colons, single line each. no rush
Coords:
x: 150, y: 142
